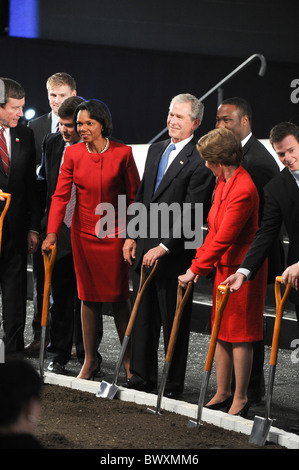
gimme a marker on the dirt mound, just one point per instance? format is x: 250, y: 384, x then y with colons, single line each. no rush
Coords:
x: 79, y: 420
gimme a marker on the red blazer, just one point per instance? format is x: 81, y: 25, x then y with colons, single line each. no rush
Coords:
x: 233, y: 222
x: 99, y: 178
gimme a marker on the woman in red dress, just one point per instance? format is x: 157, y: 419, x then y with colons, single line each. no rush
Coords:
x: 104, y: 175
x: 233, y: 222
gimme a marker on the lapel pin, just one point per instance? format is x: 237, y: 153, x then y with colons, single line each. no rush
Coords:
x: 181, y: 162
x: 17, y: 139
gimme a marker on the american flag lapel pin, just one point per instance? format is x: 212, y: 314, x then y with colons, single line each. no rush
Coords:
x: 17, y: 139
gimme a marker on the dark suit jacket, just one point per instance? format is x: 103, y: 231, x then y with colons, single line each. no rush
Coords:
x: 281, y: 205
x: 187, y: 180
x: 52, y: 152
x: 22, y: 214
x: 41, y: 126
x: 260, y: 164
x: 262, y: 167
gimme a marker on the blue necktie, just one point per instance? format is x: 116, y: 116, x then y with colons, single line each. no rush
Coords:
x: 163, y: 164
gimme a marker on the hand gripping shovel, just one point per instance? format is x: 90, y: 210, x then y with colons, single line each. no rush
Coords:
x: 49, y: 264
x: 107, y: 390
x: 6, y: 196
x: 221, y: 301
x: 181, y: 302
x: 261, y: 426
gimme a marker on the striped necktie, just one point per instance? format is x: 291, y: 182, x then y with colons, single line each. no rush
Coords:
x: 72, y: 202
x: 70, y: 207
x: 4, y: 151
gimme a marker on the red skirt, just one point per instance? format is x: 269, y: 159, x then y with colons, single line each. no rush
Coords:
x: 102, y: 274
x: 242, y: 319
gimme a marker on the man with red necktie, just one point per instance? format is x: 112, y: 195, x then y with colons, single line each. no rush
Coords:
x: 21, y: 223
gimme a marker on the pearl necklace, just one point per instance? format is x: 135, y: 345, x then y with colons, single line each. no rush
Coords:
x: 102, y: 151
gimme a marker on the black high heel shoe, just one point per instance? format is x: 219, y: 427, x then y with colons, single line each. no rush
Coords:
x: 243, y: 411
x: 94, y: 373
x: 225, y: 404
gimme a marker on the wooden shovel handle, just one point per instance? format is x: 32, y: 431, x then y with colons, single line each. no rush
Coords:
x: 49, y: 265
x: 280, y: 302
x: 144, y: 281
x: 221, y: 301
x: 182, y: 297
x: 6, y: 196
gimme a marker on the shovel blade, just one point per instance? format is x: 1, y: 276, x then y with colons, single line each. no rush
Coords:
x: 153, y: 412
x: 107, y: 390
x: 260, y: 430
x: 193, y: 424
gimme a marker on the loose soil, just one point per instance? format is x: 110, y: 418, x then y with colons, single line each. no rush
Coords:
x: 73, y: 419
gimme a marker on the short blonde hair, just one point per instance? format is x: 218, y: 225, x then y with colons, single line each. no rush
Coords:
x: 60, y: 79
x: 220, y: 146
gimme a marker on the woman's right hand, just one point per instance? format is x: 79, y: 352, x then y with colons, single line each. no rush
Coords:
x: 51, y: 239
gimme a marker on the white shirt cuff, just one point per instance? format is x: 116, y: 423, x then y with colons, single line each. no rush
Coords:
x: 244, y: 271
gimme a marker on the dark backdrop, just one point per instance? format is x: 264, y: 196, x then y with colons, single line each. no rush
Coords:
x: 136, y: 55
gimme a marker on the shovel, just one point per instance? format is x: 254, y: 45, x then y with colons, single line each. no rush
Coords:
x: 49, y: 264
x: 6, y: 196
x: 221, y: 301
x: 181, y: 302
x: 261, y: 426
x: 107, y: 390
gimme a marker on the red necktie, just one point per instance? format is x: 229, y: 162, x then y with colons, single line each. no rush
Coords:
x: 4, y: 152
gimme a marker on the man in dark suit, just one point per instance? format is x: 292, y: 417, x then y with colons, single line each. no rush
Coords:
x: 236, y: 114
x: 59, y: 87
x: 186, y: 181
x: 21, y: 223
x: 64, y: 319
x: 281, y: 206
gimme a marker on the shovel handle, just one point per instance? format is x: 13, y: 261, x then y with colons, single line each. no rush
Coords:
x: 144, y: 281
x: 6, y: 196
x: 221, y: 301
x: 280, y: 302
x: 182, y: 297
x: 49, y: 265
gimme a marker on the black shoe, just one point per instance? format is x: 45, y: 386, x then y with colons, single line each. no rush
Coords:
x: 223, y: 405
x: 244, y: 411
x: 173, y: 392
x: 56, y: 367
x: 137, y: 383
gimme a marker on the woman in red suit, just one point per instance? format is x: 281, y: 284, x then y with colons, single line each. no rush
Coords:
x: 103, y: 173
x: 233, y: 222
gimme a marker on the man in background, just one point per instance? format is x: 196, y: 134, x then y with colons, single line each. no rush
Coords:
x: 59, y: 87
x: 236, y: 114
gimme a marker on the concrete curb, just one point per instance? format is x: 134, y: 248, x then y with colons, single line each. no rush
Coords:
x: 217, y: 418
